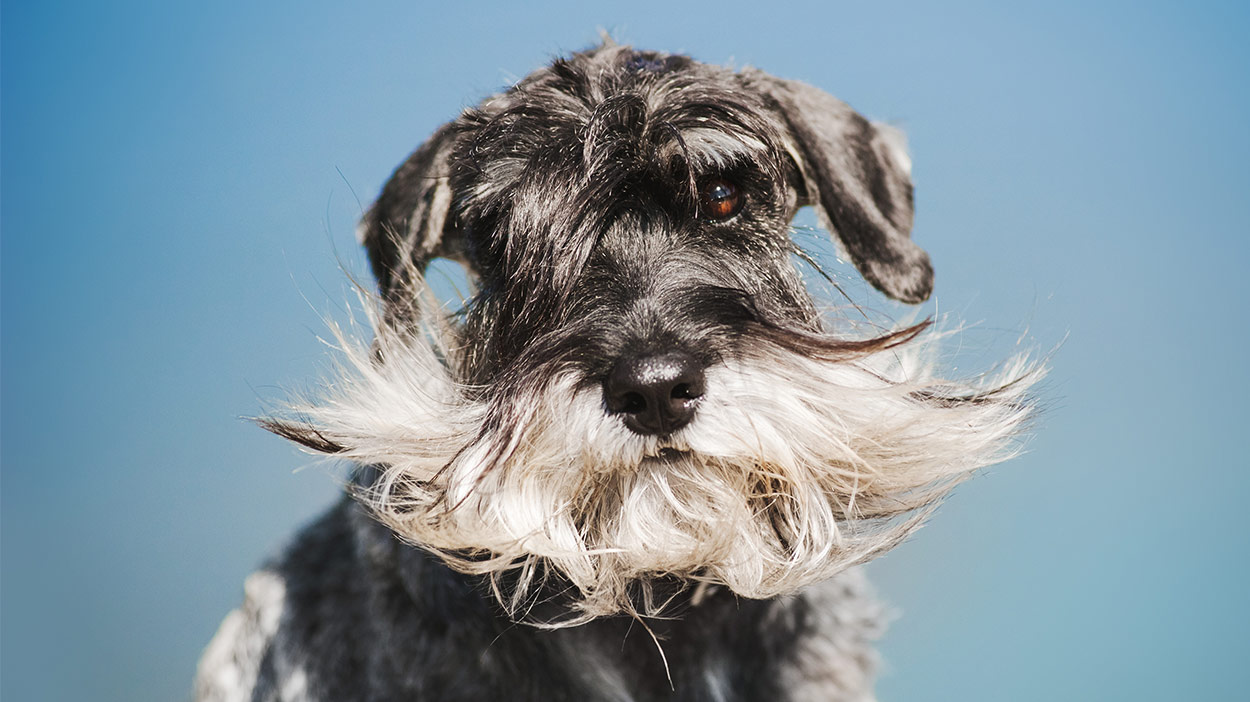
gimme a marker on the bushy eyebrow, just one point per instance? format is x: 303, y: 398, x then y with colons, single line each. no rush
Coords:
x: 707, y: 149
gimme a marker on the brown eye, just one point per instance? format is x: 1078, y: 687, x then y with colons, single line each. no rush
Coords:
x: 719, y: 199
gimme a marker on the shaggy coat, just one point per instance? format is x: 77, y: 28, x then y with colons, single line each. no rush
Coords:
x: 518, y: 528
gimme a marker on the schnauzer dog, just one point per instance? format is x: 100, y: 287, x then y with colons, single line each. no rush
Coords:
x: 643, y: 460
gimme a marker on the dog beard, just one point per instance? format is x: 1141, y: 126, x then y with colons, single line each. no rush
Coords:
x: 803, y: 460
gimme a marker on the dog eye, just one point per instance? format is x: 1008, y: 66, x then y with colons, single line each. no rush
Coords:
x: 720, y: 199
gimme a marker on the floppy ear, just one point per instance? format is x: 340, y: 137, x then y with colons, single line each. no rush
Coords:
x: 858, y: 175
x: 410, y: 222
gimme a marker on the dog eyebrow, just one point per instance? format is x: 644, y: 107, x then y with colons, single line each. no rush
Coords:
x: 711, y: 148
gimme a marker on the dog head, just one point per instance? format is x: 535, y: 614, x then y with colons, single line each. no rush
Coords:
x: 642, y: 386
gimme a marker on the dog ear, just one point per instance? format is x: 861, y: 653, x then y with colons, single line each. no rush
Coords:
x: 858, y: 175
x: 411, y: 222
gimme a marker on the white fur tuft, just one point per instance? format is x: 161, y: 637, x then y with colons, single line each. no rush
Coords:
x: 230, y: 665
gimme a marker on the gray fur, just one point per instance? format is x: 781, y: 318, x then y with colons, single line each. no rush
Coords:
x: 365, y: 617
x: 637, y: 465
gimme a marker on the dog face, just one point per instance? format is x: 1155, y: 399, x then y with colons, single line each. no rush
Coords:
x: 642, y: 386
x: 616, y: 173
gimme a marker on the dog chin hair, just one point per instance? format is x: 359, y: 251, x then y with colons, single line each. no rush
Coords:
x: 794, y: 468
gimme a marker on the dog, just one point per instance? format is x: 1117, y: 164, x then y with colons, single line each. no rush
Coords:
x: 644, y: 460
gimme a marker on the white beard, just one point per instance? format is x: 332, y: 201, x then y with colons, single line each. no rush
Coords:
x: 793, y: 469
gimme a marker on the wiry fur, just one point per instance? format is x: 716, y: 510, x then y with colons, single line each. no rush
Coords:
x: 801, y: 465
x: 488, y: 441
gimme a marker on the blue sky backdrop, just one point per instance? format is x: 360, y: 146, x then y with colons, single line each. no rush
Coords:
x: 180, y: 183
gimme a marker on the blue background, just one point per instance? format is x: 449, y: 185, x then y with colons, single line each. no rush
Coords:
x: 178, y: 199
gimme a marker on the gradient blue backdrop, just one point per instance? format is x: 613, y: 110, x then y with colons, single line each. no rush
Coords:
x: 178, y: 196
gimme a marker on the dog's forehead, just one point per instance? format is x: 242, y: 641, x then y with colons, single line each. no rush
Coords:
x: 620, y: 106
x: 592, y: 76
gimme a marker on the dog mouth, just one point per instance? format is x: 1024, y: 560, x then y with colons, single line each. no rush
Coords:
x: 665, y: 455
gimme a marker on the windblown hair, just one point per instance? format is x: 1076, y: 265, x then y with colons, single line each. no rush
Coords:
x: 811, y: 454
x: 572, y: 198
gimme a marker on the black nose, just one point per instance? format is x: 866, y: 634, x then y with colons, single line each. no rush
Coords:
x: 656, y: 393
